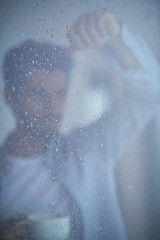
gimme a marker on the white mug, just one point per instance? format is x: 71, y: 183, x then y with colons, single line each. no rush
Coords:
x: 48, y: 227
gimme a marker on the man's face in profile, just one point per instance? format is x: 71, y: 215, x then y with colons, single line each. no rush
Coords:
x: 41, y: 100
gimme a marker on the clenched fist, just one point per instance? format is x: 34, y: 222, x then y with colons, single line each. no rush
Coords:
x: 93, y: 30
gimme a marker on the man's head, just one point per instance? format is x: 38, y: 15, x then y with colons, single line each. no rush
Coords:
x: 36, y: 78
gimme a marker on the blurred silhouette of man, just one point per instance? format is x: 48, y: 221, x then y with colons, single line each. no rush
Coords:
x: 36, y: 79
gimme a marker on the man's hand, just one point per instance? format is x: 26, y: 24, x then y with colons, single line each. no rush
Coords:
x: 93, y: 31
x: 14, y: 229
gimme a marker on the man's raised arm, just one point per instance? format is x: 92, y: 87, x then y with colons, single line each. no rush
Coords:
x: 133, y: 77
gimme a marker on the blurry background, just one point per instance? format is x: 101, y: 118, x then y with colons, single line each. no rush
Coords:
x: 139, y: 169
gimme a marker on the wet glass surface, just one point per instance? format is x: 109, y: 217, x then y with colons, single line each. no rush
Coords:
x: 79, y: 125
